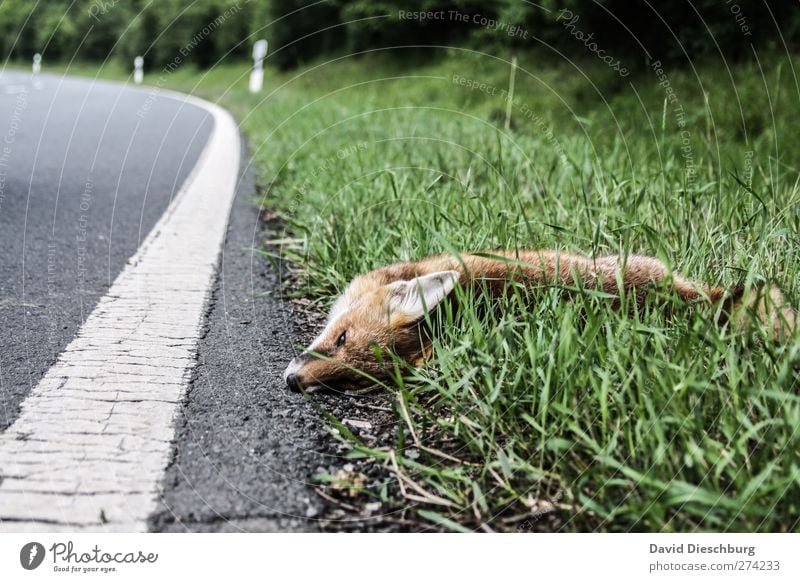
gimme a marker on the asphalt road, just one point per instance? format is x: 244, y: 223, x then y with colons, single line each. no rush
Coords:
x: 246, y: 446
x: 86, y: 169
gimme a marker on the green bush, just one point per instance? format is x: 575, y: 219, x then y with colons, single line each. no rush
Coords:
x: 300, y: 30
x: 205, y: 31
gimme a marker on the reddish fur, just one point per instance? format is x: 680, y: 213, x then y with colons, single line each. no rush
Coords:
x: 369, y: 323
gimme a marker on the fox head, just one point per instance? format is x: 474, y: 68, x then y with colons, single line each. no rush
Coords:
x: 370, y: 321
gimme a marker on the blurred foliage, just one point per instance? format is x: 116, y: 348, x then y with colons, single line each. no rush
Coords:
x: 205, y: 31
x: 168, y: 31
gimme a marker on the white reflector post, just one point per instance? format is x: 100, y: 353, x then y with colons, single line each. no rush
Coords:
x: 138, y: 71
x: 257, y: 74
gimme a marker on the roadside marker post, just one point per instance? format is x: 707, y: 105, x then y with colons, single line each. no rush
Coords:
x: 138, y: 72
x: 37, y: 63
x: 257, y: 74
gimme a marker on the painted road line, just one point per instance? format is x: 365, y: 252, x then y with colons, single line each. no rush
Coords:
x: 93, y: 438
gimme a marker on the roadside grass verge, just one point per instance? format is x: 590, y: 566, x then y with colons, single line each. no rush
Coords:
x: 623, y: 423
x: 650, y: 422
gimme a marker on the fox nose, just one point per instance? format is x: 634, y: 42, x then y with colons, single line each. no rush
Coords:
x: 292, y: 374
x: 292, y: 382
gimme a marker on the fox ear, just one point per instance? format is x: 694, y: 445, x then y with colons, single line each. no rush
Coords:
x: 417, y: 296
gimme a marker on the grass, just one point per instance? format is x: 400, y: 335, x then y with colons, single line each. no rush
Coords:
x: 622, y: 423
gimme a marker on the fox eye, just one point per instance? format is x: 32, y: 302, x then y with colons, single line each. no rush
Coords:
x: 342, y: 338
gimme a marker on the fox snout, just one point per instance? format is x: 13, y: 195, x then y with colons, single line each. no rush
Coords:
x: 293, y: 374
x: 310, y: 371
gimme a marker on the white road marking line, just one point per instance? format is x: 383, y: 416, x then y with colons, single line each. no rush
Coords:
x: 90, y: 446
x: 14, y: 89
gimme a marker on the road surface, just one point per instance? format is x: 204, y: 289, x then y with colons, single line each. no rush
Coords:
x: 139, y: 357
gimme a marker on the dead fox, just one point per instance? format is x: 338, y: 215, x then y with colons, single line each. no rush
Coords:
x: 383, y: 311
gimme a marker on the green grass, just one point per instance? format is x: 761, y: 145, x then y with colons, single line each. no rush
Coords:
x: 623, y: 423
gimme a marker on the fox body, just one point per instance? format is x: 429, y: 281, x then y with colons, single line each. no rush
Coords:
x: 382, y: 311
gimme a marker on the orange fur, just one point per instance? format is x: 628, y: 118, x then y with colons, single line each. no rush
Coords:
x: 379, y: 312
